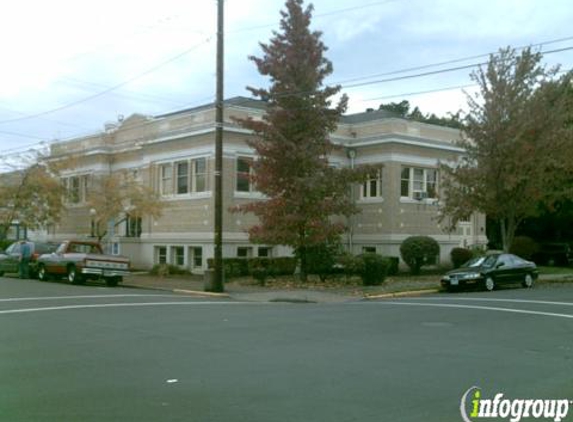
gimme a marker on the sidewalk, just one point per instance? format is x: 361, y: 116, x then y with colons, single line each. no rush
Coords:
x: 194, y: 286
x: 252, y: 293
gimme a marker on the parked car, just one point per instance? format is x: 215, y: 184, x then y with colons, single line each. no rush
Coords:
x: 79, y: 261
x: 492, y: 270
x: 10, y: 258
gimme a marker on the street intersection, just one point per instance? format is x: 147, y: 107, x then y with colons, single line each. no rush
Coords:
x: 92, y: 353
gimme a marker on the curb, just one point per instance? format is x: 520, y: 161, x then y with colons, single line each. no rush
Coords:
x: 403, y: 294
x: 200, y: 293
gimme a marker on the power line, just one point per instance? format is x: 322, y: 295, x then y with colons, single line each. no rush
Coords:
x: 154, y: 68
x: 463, y: 59
x: 430, y: 91
x: 318, y: 15
x: 409, y: 94
x: 350, y: 86
x: 121, y: 93
x: 110, y: 89
x: 436, y: 72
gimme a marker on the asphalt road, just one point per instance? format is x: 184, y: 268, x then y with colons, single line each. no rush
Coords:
x: 90, y: 353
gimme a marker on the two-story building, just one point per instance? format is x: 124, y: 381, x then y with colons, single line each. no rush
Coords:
x: 174, y: 154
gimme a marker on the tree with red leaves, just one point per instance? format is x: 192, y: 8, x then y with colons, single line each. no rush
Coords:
x: 292, y: 142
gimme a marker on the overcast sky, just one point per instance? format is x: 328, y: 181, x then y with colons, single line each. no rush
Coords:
x: 70, y: 66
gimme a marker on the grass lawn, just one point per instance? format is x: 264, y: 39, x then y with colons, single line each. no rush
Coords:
x: 555, y: 270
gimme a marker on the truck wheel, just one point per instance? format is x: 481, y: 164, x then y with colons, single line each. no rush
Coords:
x: 73, y: 276
x: 42, y: 274
x: 112, y: 281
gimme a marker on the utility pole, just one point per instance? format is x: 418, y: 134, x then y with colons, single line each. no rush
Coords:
x: 218, y: 274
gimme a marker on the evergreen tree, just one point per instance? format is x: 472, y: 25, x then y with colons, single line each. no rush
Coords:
x: 292, y: 142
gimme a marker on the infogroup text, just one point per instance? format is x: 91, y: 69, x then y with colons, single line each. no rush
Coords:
x: 474, y: 407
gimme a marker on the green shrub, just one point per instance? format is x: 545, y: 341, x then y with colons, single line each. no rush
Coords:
x: 232, y: 267
x: 524, y: 247
x: 393, y: 264
x: 349, y: 265
x: 460, y: 256
x: 241, y: 267
x: 260, y: 269
x: 418, y: 251
x: 321, y: 260
x: 5, y: 243
x: 285, y: 265
x: 373, y: 269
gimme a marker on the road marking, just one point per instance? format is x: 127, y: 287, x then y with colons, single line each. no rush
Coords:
x: 24, y: 299
x: 484, y: 308
x: 122, y: 305
x: 484, y: 299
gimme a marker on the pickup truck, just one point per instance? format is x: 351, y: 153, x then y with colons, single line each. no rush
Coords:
x: 79, y: 261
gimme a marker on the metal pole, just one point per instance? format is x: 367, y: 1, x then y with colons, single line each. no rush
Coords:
x: 217, y: 285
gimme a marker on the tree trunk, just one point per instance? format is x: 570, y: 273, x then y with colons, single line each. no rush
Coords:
x: 303, y: 264
x: 508, y: 228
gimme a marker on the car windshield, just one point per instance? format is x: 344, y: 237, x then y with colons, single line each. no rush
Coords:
x: 481, y: 261
x: 475, y: 262
x: 42, y: 248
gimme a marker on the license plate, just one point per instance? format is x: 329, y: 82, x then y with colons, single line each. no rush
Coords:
x: 454, y: 281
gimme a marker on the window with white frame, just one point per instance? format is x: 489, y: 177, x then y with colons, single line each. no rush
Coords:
x: 76, y: 188
x: 182, y: 176
x: 264, y: 252
x: 418, y: 183
x: 372, y: 187
x: 178, y: 255
x: 161, y: 254
x: 186, y: 176
x: 244, y: 252
x: 199, y: 175
x: 197, y: 256
x: 166, y: 179
x: 244, y: 174
x: 133, y: 226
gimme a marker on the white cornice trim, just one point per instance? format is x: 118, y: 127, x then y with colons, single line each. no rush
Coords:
x: 420, y: 143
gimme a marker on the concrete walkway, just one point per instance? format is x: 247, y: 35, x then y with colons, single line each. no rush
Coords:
x: 194, y: 286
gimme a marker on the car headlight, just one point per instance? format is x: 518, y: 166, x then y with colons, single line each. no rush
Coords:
x: 472, y: 275
x: 446, y: 278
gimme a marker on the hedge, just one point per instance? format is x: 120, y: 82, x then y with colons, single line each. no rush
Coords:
x: 241, y: 267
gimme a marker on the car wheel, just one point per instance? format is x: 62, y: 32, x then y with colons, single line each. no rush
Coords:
x: 528, y: 282
x: 1, y: 273
x: 42, y: 274
x: 73, y: 276
x: 489, y: 284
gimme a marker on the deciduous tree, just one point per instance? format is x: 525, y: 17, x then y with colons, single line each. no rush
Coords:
x: 517, y: 142
x: 113, y: 197
x: 30, y: 193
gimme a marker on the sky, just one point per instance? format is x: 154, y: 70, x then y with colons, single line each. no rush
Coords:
x: 69, y: 67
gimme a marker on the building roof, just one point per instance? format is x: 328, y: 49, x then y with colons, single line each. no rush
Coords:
x: 238, y: 101
x: 241, y: 101
x: 368, y: 115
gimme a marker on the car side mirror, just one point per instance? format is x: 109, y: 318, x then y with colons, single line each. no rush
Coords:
x: 501, y: 264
